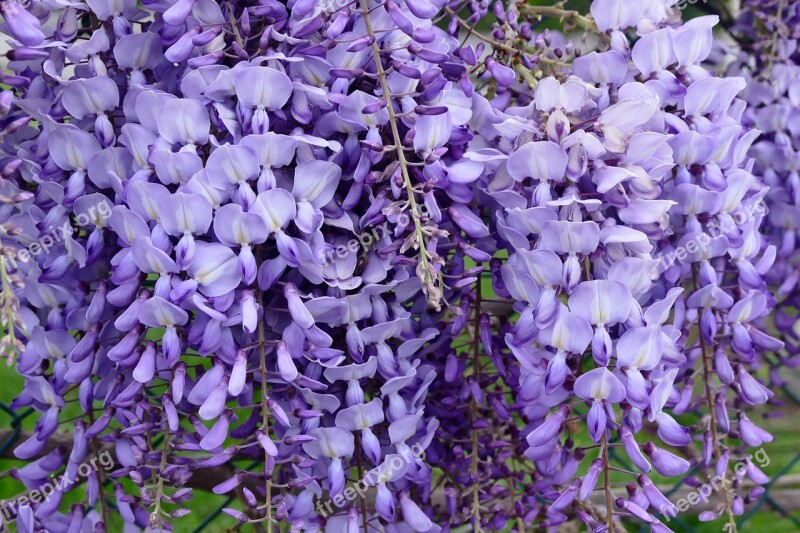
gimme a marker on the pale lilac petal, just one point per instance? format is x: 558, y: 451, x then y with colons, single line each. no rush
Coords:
x: 538, y: 160
x: 616, y: 14
x: 315, y: 182
x: 653, y: 52
x: 215, y: 267
x: 157, y: 312
x: 184, y: 122
x: 431, y: 132
x: 151, y: 259
x: 570, y: 333
x: 276, y: 207
x: 601, y: 302
x: 263, y: 87
x: 231, y: 164
x: 640, y: 348
x: 234, y: 227
x: 600, y: 384
x: 92, y: 96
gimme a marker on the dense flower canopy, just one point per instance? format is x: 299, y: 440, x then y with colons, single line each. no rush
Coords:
x: 770, y: 62
x: 314, y: 244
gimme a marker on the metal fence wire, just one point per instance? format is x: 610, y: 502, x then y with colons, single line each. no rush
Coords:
x: 16, y: 426
x: 766, y: 502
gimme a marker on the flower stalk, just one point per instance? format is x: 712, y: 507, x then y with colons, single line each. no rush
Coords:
x: 609, y: 495
x: 9, y: 342
x: 708, y: 373
x: 773, y: 51
x: 431, y: 281
x: 262, y: 368
x: 156, y: 518
x: 563, y: 14
x: 476, y: 376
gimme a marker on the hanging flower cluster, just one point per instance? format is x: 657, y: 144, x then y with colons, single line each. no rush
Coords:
x: 769, y: 60
x: 620, y: 188
x: 268, y: 196
x: 325, y: 244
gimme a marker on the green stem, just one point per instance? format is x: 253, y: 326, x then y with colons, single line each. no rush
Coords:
x: 8, y: 318
x: 155, y: 518
x: 775, y: 35
x: 425, y: 272
x: 607, y: 484
x: 100, y: 481
x: 363, y: 500
x: 476, y: 371
x: 560, y: 13
x: 708, y: 363
x: 234, y: 28
x: 262, y: 351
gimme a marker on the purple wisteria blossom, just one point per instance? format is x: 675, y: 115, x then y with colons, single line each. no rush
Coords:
x: 277, y: 250
x: 768, y: 59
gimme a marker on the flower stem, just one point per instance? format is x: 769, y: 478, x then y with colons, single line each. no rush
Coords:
x: 234, y: 28
x: 712, y: 411
x: 479, y: 35
x: 262, y: 366
x: 155, y: 517
x: 476, y: 371
x: 360, y: 467
x: 560, y: 13
x: 607, y: 484
x: 9, y: 340
x: 425, y: 271
x: 775, y: 35
x: 100, y: 481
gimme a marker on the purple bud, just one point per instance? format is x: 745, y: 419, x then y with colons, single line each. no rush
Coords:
x: 632, y: 449
x: 567, y: 497
x: 549, y: 429
x: 230, y: 484
x: 590, y: 479
x: 656, y: 498
x: 666, y: 463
